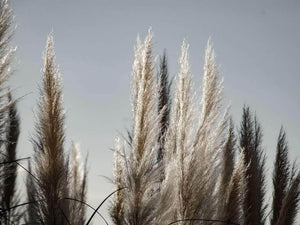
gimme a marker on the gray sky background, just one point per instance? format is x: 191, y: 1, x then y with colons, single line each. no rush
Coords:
x: 256, y: 43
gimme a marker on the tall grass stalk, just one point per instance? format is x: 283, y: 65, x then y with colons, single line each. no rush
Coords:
x: 50, y: 162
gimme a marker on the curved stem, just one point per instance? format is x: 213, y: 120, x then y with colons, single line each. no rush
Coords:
x: 91, y: 217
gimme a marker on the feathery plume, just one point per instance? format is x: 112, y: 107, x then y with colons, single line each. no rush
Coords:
x: 6, y: 55
x: 50, y: 163
x: 233, y: 210
x: 166, y: 182
x: 227, y: 166
x: 6, y: 52
x: 280, y: 176
x: 208, y: 143
x: 250, y: 142
x: 78, y: 187
x: 141, y: 174
x: 9, y: 121
x: 164, y: 103
x: 212, y: 88
x: 286, y: 183
x: 178, y: 140
x: 33, y: 215
x: 290, y: 203
x: 116, y: 210
x: 6, y: 33
x: 9, y: 195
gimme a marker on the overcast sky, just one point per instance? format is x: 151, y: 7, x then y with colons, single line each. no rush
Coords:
x: 256, y: 44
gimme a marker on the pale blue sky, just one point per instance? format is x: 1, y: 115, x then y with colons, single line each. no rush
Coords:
x: 256, y: 43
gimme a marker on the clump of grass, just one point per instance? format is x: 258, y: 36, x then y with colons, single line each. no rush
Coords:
x: 205, y: 176
x: 181, y: 164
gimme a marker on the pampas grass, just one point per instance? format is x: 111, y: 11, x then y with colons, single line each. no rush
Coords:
x: 178, y: 139
x: 116, y: 211
x: 250, y: 142
x: 50, y: 163
x: 280, y: 176
x: 56, y: 180
x: 6, y: 52
x: 78, y: 187
x: 9, y: 123
x: 180, y: 165
x: 139, y: 172
x: 164, y: 103
x: 206, y: 177
x: 10, y: 196
x: 286, y: 183
x: 191, y: 153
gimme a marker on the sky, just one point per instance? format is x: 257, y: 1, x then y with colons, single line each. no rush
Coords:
x: 256, y: 43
